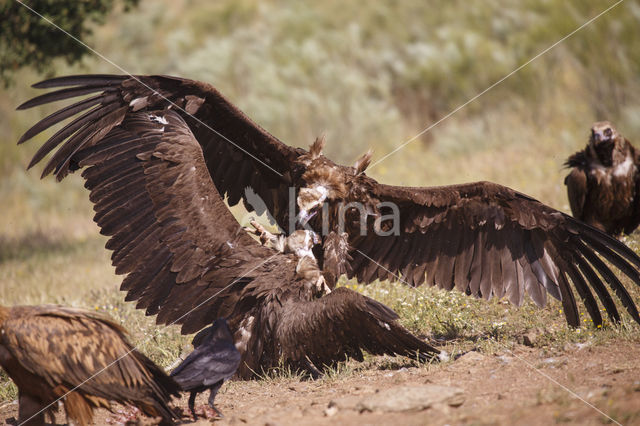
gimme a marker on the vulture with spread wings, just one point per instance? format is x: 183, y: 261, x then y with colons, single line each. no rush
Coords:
x: 81, y: 358
x: 480, y: 238
x: 189, y: 261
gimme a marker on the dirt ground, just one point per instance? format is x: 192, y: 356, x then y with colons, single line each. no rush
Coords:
x: 580, y: 385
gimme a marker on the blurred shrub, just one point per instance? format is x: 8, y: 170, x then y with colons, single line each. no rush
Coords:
x: 375, y: 74
x: 28, y: 40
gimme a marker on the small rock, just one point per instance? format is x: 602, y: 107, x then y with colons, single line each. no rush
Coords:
x: 331, y: 411
x: 505, y: 359
x: 411, y: 398
x: 529, y: 339
x: 471, y: 357
x: 346, y: 403
x: 443, y: 356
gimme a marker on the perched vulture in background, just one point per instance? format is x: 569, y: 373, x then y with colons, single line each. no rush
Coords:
x: 604, y: 182
x: 481, y: 238
x: 214, y: 360
x: 189, y: 261
x: 81, y: 358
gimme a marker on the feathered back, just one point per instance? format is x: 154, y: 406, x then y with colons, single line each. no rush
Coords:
x: 84, y: 357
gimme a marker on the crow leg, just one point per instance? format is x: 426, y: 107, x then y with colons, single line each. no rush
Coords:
x: 212, y: 396
x: 192, y: 402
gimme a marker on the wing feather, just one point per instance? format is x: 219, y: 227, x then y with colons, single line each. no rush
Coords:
x: 344, y: 323
x: 153, y: 195
x: 488, y: 240
x: 584, y: 292
x: 238, y: 153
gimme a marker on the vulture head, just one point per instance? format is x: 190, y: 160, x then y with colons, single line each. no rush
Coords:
x: 602, y: 141
x: 326, y: 181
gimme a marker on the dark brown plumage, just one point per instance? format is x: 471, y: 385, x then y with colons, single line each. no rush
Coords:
x: 53, y: 352
x: 189, y: 261
x: 604, y: 182
x: 481, y: 238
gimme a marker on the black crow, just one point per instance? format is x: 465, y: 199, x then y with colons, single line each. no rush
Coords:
x: 212, y: 362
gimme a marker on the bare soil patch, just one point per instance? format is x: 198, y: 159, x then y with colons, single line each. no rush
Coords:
x: 528, y: 386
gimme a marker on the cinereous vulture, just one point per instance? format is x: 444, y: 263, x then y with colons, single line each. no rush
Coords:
x: 481, y: 238
x: 189, y: 261
x: 604, y: 181
x: 83, y: 359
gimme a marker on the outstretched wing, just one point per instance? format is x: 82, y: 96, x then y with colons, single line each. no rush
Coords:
x: 342, y: 324
x: 490, y: 241
x: 186, y: 258
x: 74, y: 348
x: 238, y: 152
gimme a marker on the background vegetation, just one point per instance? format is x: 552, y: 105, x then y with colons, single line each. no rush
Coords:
x: 28, y: 39
x: 366, y: 75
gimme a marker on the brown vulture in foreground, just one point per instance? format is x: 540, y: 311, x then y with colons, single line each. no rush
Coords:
x: 481, y: 238
x: 81, y: 358
x: 604, y: 182
x: 189, y: 261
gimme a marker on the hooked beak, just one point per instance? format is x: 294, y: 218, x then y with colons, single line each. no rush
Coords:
x: 596, y: 136
x: 599, y: 136
x: 309, y: 201
x: 304, y: 216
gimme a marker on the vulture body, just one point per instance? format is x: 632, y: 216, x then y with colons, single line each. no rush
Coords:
x: 481, y: 238
x: 189, y: 261
x: 214, y: 360
x: 604, y: 182
x: 81, y: 358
